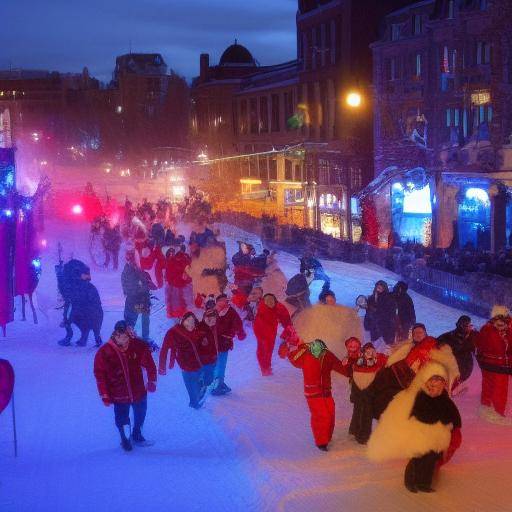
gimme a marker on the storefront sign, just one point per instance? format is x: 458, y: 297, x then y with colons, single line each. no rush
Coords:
x: 480, y: 97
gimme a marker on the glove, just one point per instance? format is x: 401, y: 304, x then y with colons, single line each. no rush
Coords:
x: 283, y: 350
x: 106, y: 402
x: 242, y: 336
x: 151, y: 387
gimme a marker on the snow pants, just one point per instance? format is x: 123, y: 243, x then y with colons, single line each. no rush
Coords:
x: 131, y: 317
x: 220, y: 366
x: 420, y: 470
x: 495, y: 390
x: 122, y: 414
x: 197, y: 382
x: 323, y: 416
x: 362, y: 415
x: 264, y: 351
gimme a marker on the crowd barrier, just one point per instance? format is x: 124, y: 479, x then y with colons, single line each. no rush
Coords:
x: 475, y: 292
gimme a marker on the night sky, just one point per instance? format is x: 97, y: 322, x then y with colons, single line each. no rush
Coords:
x: 66, y: 35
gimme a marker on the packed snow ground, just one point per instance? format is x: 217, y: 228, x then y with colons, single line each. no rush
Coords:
x: 249, y: 451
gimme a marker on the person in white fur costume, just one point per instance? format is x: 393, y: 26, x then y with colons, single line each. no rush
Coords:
x: 403, y: 364
x: 208, y: 273
x: 333, y: 324
x: 422, y: 424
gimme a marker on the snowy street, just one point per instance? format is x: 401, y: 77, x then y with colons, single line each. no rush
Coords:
x: 249, y: 451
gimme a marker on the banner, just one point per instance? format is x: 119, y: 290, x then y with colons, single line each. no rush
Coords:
x: 6, y: 383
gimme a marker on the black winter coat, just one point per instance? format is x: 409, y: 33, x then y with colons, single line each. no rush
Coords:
x: 431, y: 410
x: 463, y: 349
x: 405, y: 310
x: 86, y: 310
x: 135, y: 287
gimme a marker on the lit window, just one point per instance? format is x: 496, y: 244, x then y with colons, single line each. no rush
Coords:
x: 417, y: 24
x: 418, y: 64
x: 395, y: 32
x: 451, y: 9
x: 417, y: 201
x: 119, y: 109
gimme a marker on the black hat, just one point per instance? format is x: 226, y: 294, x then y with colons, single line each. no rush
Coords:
x: 121, y: 326
x: 463, y: 320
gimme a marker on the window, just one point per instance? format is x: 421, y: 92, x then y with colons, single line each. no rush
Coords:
x: 263, y: 114
x: 483, y: 53
x: 323, y: 171
x: 243, y: 117
x: 392, y: 68
x: 356, y: 178
x: 275, y: 113
x: 323, y: 45
x: 272, y: 169
x: 483, y: 5
x: 452, y: 117
x: 451, y: 9
x: 418, y: 65
x: 298, y: 173
x: 333, y: 42
x: 314, y: 49
x: 288, y: 109
x: 417, y: 24
x: 253, y: 114
x: 288, y: 170
x: 395, y: 32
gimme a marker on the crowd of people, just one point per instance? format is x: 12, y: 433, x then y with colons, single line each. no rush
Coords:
x: 453, y: 260
x: 403, y: 378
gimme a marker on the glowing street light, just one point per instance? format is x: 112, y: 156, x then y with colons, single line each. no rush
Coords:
x: 77, y: 209
x: 354, y: 99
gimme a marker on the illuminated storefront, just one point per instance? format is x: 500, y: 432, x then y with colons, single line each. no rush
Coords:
x: 475, y: 218
x: 333, y: 215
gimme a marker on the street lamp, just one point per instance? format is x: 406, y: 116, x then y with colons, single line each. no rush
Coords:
x: 354, y: 99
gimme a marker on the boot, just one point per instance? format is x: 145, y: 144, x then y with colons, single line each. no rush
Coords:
x: 322, y: 447
x: 139, y: 440
x: 125, y: 438
x: 66, y: 342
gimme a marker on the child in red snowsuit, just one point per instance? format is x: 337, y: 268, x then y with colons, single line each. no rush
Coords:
x: 317, y: 363
x: 269, y: 315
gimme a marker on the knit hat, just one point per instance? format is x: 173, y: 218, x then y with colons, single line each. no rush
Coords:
x: 463, y: 321
x: 498, y: 310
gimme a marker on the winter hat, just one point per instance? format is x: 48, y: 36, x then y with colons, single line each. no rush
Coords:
x: 352, y: 339
x: 120, y: 327
x: 498, y: 310
x: 317, y: 347
x: 187, y: 315
x: 463, y: 321
x: 419, y: 326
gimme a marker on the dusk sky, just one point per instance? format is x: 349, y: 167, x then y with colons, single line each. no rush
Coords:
x: 66, y: 35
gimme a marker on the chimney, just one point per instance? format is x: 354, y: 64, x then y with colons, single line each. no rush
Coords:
x: 204, y: 64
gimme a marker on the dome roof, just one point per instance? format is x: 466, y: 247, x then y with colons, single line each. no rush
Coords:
x: 237, y: 55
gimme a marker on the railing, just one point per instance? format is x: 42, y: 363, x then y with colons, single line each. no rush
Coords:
x: 476, y: 292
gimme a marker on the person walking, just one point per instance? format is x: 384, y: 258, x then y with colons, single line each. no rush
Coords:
x: 118, y: 369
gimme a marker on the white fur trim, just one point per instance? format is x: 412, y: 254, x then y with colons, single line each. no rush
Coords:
x: 399, y: 352
x: 399, y: 436
x: 498, y: 310
x: 363, y: 379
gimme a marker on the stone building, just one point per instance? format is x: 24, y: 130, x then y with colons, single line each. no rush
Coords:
x: 443, y: 121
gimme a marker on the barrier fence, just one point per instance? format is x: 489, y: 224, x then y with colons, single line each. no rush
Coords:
x: 476, y: 292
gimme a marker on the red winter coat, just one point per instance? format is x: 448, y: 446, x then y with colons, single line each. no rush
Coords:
x: 267, y: 320
x: 175, y: 270
x: 228, y: 326
x: 208, y: 346
x: 119, y: 374
x: 421, y: 351
x: 184, y: 347
x: 317, y: 372
x: 494, y: 351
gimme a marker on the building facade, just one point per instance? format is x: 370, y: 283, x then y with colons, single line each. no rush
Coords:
x: 443, y: 121
x: 302, y: 149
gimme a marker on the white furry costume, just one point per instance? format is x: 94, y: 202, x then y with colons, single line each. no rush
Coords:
x: 209, y: 258
x: 332, y: 324
x: 400, y: 436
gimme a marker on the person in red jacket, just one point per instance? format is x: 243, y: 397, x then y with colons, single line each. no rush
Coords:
x: 178, y: 290
x: 494, y: 355
x: 185, y: 342
x: 228, y: 325
x: 317, y: 363
x: 118, y: 371
x: 269, y: 315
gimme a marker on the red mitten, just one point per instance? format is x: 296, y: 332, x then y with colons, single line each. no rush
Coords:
x: 283, y: 350
x: 151, y: 386
x: 455, y: 443
x: 106, y: 402
x: 242, y: 335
